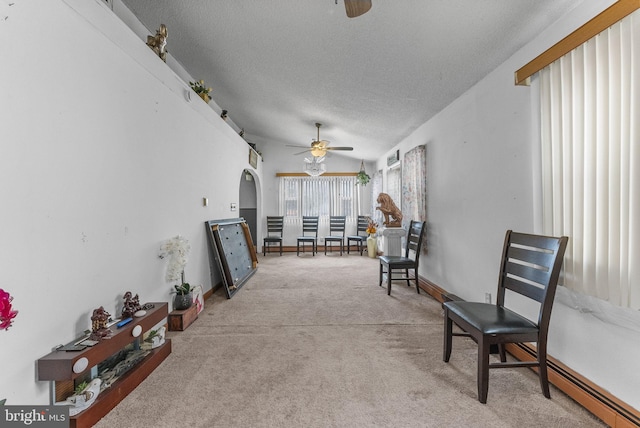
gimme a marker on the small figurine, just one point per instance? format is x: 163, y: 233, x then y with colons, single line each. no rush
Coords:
x: 388, y: 208
x: 99, y: 329
x: 131, y: 305
x: 224, y: 115
x: 158, y: 42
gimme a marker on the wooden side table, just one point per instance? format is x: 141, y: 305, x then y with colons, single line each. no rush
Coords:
x: 180, y: 320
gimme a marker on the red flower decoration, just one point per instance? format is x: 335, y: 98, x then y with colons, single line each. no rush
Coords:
x: 6, y: 313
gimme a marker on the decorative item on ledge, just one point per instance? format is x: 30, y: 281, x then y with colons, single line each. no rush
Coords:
x: 362, y: 177
x: 200, y: 89
x: 158, y: 42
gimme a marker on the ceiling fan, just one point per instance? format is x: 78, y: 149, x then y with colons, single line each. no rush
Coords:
x: 320, y: 147
x: 356, y: 7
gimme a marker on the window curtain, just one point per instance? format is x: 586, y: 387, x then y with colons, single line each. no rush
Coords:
x: 590, y: 119
x: 414, y: 186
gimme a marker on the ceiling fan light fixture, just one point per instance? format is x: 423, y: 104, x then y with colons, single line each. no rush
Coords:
x: 318, y: 152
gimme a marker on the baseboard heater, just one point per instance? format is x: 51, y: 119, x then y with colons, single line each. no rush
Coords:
x: 593, y: 398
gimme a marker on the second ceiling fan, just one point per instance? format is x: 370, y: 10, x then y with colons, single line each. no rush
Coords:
x: 320, y: 147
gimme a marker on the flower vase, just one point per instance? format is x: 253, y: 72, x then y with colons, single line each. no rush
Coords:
x: 372, y: 246
x: 205, y: 97
x: 182, y: 301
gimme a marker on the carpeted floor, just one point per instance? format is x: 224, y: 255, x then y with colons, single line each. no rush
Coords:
x: 315, y: 342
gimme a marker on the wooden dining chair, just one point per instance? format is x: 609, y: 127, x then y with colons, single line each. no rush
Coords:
x: 309, y: 234
x: 410, y: 259
x: 275, y: 227
x: 530, y: 267
x: 360, y: 238
x: 337, y: 225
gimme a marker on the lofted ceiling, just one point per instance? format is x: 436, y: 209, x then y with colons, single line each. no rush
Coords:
x: 280, y: 66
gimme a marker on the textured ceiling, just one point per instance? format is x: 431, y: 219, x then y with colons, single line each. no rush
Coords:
x: 279, y: 66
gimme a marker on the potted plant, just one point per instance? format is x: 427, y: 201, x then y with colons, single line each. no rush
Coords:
x: 200, y: 89
x: 362, y: 177
x: 184, y: 297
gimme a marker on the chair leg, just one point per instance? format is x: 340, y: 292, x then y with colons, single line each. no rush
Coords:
x: 406, y: 275
x: 389, y: 270
x: 380, y: 277
x: 415, y: 272
x: 448, y: 336
x: 483, y: 370
x: 542, y: 369
x: 502, y: 353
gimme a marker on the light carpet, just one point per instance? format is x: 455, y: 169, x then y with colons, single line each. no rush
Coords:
x: 315, y: 342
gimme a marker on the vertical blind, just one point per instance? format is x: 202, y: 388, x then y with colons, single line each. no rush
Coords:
x: 319, y: 196
x: 590, y: 118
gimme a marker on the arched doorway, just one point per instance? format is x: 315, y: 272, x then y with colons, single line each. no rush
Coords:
x: 249, y: 203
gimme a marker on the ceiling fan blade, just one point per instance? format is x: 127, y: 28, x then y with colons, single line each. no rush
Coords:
x: 357, y: 7
x: 302, y: 152
x: 339, y: 148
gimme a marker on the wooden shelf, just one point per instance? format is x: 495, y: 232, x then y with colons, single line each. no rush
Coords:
x: 58, y: 366
x: 110, y: 397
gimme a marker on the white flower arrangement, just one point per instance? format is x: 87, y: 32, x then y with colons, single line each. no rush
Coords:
x: 177, y: 248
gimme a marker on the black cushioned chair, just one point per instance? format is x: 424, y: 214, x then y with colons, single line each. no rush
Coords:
x: 337, y: 224
x: 309, y: 234
x: 390, y: 263
x: 530, y: 267
x: 275, y: 226
x: 358, y: 238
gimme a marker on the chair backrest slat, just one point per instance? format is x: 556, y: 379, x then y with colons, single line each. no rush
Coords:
x: 528, y: 290
x: 529, y: 273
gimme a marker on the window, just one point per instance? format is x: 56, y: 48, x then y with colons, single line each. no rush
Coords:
x: 319, y: 196
x: 590, y: 111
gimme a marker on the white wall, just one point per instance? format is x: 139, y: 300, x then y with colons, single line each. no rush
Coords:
x: 482, y: 169
x: 102, y: 159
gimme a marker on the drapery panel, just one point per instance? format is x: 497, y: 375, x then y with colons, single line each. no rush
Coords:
x: 590, y: 118
x: 414, y: 186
